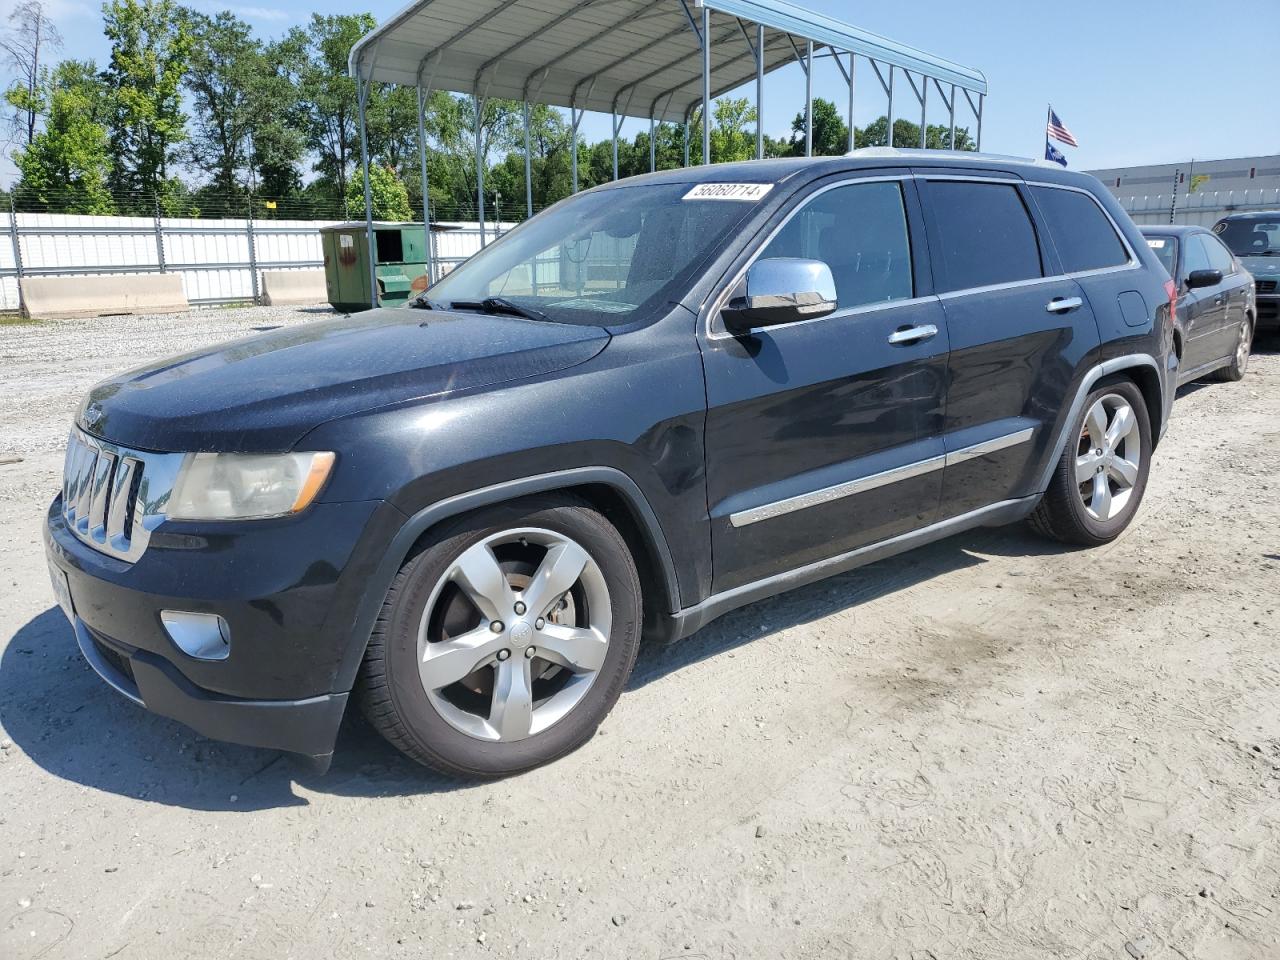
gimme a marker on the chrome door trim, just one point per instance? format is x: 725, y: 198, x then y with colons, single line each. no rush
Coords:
x: 994, y: 445
x: 814, y: 498
x: 916, y: 334
x: 849, y: 488
x: 1064, y: 304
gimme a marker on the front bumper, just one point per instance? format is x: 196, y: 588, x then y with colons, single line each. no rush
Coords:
x: 308, y: 727
x: 288, y: 590
x: 1268, y: 308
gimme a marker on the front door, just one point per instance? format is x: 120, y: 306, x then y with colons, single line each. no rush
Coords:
x: 1204, y: 310
x: 823, y: 435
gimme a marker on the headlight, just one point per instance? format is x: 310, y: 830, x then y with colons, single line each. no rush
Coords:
x: 247, y: 486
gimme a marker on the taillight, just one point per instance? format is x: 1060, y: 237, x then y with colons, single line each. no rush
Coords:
x: 1171, y: 291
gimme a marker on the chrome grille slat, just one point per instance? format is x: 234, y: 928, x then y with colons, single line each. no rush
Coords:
x: 118, y: 507
x: 112, y: 496
x: 102, y: 471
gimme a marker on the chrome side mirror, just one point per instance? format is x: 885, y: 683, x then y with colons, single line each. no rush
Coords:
x: 780, y: 290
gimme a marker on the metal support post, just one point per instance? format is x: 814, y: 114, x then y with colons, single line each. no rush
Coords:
x: 362, y: 96
x: 852, y: 143
x: 17, y: 246
x: 924, y: 111
x: 252, y: 252
x: 889, y: 137
x: 808, y: 98
x: 706, y: 85
x: 981, y: 99
x: 159, y: 231
x: 479, y: 103
x: 426, y: 206
x: 528, y: 165
x: 952, y: 109
x: 575, y: 117
x: 653, y: 147
x: 759, y: 91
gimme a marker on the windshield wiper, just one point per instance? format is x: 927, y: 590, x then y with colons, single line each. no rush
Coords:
x: 421, y: 302
x: 500, y: 305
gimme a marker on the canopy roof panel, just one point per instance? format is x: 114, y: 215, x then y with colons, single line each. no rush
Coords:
x: 632, y: 57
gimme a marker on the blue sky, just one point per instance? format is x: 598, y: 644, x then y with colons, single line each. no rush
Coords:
x: 1136, y: 81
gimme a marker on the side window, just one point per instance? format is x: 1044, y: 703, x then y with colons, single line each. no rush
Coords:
x: 1219, y: 257
x: 1084, y: 236
x: 1195, y: 255
x: 860, y: 232
x: 987, y: 235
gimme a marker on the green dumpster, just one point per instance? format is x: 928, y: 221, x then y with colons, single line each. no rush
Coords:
x: 400, y: 263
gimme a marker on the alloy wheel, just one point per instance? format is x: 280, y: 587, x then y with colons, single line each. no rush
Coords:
x: 1108, y: 457
x: 513, y: 634
x: 1243, y: 345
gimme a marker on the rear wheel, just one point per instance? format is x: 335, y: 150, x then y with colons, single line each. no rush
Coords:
x: 504, y: 643
x: 1097, y: 485
x: 1240, y: 359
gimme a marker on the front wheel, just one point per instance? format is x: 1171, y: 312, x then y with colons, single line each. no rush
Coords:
x: 503, y: 644
x: 1097, y: 485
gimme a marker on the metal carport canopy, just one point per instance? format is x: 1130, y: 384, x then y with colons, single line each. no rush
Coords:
x: 629, y: 57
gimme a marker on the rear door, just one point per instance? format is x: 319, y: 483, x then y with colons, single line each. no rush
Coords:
x: 1018, y: 330
x: 824, y: 435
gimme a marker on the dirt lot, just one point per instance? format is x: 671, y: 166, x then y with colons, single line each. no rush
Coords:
x: 990, y: 749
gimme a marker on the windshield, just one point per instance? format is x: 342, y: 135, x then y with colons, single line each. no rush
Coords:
x: 598, y: 258
x: 1251, y: 238
x: 1166, y: 251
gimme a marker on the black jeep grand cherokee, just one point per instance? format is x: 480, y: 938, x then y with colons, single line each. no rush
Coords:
x: 652, y: 403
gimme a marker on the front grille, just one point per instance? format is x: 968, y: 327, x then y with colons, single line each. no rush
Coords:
x: 1266, y: 286
x: 1268, y: 311
x: 112, y: 497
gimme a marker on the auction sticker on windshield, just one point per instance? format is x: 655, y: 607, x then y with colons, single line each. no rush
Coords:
x: 728, y: 191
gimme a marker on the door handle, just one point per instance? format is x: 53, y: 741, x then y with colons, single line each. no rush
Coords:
x: 904, y: 335
x: 1063, y: 304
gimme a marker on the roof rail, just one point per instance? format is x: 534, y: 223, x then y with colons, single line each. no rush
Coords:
x: 907, y: 153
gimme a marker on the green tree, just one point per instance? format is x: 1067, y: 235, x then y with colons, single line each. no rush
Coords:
x: 25, y: 44
x: 390, y: 198
x: 316, y: 61
x: 907, y: 134
x: 830, y: 132
x: 150, y: 50
x: 67, y: 164
x: 226, y: 64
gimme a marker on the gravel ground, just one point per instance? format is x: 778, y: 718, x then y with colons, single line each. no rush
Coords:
x: 990, y: 748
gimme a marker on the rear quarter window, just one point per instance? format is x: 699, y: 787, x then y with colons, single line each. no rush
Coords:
x: 1083, y: 234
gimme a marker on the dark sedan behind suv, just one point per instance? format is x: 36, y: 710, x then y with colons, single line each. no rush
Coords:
x: 1216, y: 309
x: 652, y: 403
x: 1255, y: 239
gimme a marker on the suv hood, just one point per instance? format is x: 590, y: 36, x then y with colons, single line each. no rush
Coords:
x: 263, y: 394
x: 1262, y: 267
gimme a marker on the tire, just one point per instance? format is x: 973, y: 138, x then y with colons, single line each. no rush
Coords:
x: 1078, y: 512
x: 1234, y: 371
x: 511, y: 712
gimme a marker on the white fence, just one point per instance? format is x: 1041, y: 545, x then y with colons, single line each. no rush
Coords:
x: 219, y: 261
x: 1199, y: 209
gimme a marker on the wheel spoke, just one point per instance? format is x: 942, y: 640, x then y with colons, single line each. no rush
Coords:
x: 1122, y: 425
x: 1087, y: 467
x: 511, y: 712
x: 558, y: 572
x: 1100, y: 502
x: 477, y: 573
x: 1097, y: 423
x: 448, y: 661
x: 580, y: 649
x: 1124, y: 472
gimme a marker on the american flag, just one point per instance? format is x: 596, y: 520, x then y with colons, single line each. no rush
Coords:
x: 1058, y: 130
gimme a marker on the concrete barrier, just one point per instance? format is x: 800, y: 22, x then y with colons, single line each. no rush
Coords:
x: 46, y: 298
x: 283, y: 287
